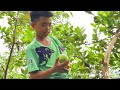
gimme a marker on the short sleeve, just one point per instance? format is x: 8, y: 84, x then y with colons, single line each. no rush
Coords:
x: 31, y: 57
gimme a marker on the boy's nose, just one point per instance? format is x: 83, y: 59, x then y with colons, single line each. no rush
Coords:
x: 48, y: 28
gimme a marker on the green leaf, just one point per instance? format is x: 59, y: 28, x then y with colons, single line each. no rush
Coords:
x: 22, y: 70
x: 84, y: 36
x: 94, y: 36
x: 93, y: 24
x: 102, y: 29
x: 116, y: 56
x: 1, y: 17
x: 89, y: 12
x: 3, y: 29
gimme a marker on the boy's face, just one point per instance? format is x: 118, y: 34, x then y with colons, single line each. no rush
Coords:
x: 42, y: 26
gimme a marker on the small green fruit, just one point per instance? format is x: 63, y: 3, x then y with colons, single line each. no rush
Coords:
x: 63, y: 57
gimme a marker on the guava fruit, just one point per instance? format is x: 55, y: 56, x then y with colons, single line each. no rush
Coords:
x: 63, y: 57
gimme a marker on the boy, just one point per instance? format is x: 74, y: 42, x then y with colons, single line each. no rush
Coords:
x: 42, y: 53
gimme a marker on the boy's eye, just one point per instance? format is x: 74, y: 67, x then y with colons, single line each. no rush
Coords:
x: 43, y: 25
x: 50, y: 25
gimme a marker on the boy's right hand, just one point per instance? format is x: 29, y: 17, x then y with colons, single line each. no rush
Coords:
x: 60, y: 67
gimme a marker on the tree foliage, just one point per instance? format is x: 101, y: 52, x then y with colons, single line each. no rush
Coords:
x: 86, y: 58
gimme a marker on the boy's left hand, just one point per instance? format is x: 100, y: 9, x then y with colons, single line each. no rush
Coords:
x: 67, y: 68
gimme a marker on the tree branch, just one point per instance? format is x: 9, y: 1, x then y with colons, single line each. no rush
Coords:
x: 105, y: 70
x: 14, y: 34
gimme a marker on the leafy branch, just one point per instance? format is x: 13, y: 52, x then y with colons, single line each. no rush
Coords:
x: 105, y: 69
x: 14, y: 34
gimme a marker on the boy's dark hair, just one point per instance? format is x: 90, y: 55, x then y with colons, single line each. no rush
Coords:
x: 34, y: 15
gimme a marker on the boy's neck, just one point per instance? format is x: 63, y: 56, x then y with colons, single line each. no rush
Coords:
x: 45, y: 41
x: 41, y: 38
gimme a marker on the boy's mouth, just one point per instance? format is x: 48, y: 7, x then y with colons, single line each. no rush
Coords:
x: 47, y: 32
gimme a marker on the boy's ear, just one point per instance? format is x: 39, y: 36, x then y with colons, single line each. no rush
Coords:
x: 33, y: 25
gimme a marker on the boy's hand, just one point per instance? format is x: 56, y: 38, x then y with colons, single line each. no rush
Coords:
x: 61, y: 67
x: 68, y: 67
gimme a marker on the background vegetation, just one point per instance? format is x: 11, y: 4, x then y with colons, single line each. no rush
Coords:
x: 86, y: 58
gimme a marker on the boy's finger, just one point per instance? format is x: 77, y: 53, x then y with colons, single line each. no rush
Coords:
x: 66, y: 70
x: 64, y: 63
x: 57, y: 61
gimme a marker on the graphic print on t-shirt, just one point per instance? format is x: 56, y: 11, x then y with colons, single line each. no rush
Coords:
x: 44, y: 54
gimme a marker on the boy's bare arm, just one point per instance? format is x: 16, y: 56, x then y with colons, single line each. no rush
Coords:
x: 58, y: 67
x: 42, y: 74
